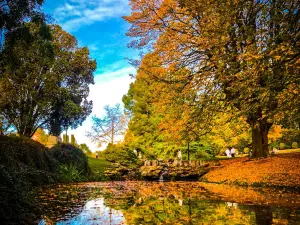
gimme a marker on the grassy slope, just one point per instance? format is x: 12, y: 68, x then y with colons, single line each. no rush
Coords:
x: 98, y: 166
x: 278, y: 170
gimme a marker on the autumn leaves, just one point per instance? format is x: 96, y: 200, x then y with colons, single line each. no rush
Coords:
x: 210, y: 57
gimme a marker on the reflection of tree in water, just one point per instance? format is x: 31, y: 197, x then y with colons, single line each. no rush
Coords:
x: 263, y: 215
x: 177, y: 203
x: 169, y: 210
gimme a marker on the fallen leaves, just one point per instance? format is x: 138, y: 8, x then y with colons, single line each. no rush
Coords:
x: 280, y: 170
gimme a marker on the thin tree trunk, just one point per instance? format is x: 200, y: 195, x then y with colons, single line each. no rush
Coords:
x: 188, y: 150
x: 1, y: 129
x: 112, y: 134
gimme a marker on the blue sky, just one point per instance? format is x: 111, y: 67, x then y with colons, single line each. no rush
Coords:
x: 98, y: 24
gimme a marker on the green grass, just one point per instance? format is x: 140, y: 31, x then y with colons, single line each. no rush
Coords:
x: 98, y: 165
x: 288, y: 151
x: 225, y: 157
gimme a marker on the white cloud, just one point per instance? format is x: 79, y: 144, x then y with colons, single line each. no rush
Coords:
x: 109, y: 89
x: 78, y: 13
x: 93, y: 47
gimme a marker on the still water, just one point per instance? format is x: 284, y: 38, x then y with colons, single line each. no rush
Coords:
x: 139, y: 203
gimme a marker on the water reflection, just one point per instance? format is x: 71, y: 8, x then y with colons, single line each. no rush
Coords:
x: 167, y: 203
x: 94, y: 212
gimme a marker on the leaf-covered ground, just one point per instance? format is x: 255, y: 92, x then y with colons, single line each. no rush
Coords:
x: 279, y: 170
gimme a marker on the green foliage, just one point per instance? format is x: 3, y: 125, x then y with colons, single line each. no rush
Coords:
x: 71, y: 156
x: 70, y: 173
x: 24, y: 164
x: 17, y: 150
x: 120, y: 154
x: 15, y: 12
x: 274, y: 145
x: 232, y: 62
x: 199, y: 150
x: 55, y: 83
x: 85, y: 149
x: 290, y: 136
x: 246, y: 150
x: 282, y: 145
x: 294, y: 145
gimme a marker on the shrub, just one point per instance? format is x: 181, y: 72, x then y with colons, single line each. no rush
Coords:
x: 118, y: 154
x: 16, y: 150
x: 71, y: 156
x: 281, y: 145
x: 246, y: 150
x: 71, y: 174
x: 294, y: 145
x: 24, y: 164
x: 274, y: 145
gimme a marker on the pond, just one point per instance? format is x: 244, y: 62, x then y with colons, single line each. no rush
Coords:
x: 173, y: 203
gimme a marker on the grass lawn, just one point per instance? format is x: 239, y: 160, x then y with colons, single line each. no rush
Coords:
x: 225, y: 157
x: 288, y: 151
x: 98, y: 166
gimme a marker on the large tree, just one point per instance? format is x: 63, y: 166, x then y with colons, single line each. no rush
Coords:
x: 13, y: 13
x: 45, y: 81
x: 109, y: 127
x: 163, y: 117
x: 244, y: 54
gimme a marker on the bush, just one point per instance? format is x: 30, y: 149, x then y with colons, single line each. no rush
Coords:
x: 281, y: 145
x: 118, y: 154
x: 17, y: 150
x: 202, y: 155
x: 246, y: 150
x: 274, y: 145
x: 71, y: 174
x: 24, y: 164
x: 71, y: 156
x: 294, y: 145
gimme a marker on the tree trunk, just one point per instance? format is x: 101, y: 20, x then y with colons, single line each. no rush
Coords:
x: 1, y: 129
x: 188, y: 150
x: 260, y: 130
x: 25, y: 131
x: 263, y: 215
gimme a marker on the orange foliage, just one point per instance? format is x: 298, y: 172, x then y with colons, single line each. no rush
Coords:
x: 280, y: 170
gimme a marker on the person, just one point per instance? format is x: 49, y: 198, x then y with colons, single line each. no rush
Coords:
x: 227, y: 152
x: 179, y: 155
x: 232, y: 151
x: 274, y: 151
x: 250, y: 153
x: 96, y: 155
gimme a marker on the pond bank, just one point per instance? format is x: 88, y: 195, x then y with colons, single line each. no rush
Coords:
x: 280, y: 170
x: 275, y: 171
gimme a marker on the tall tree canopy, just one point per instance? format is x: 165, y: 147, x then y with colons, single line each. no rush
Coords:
x: 45, y: 81
x: 241, y: 56
x: 109, y: 127
x: 14, y: 12
x: 13, y: 15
